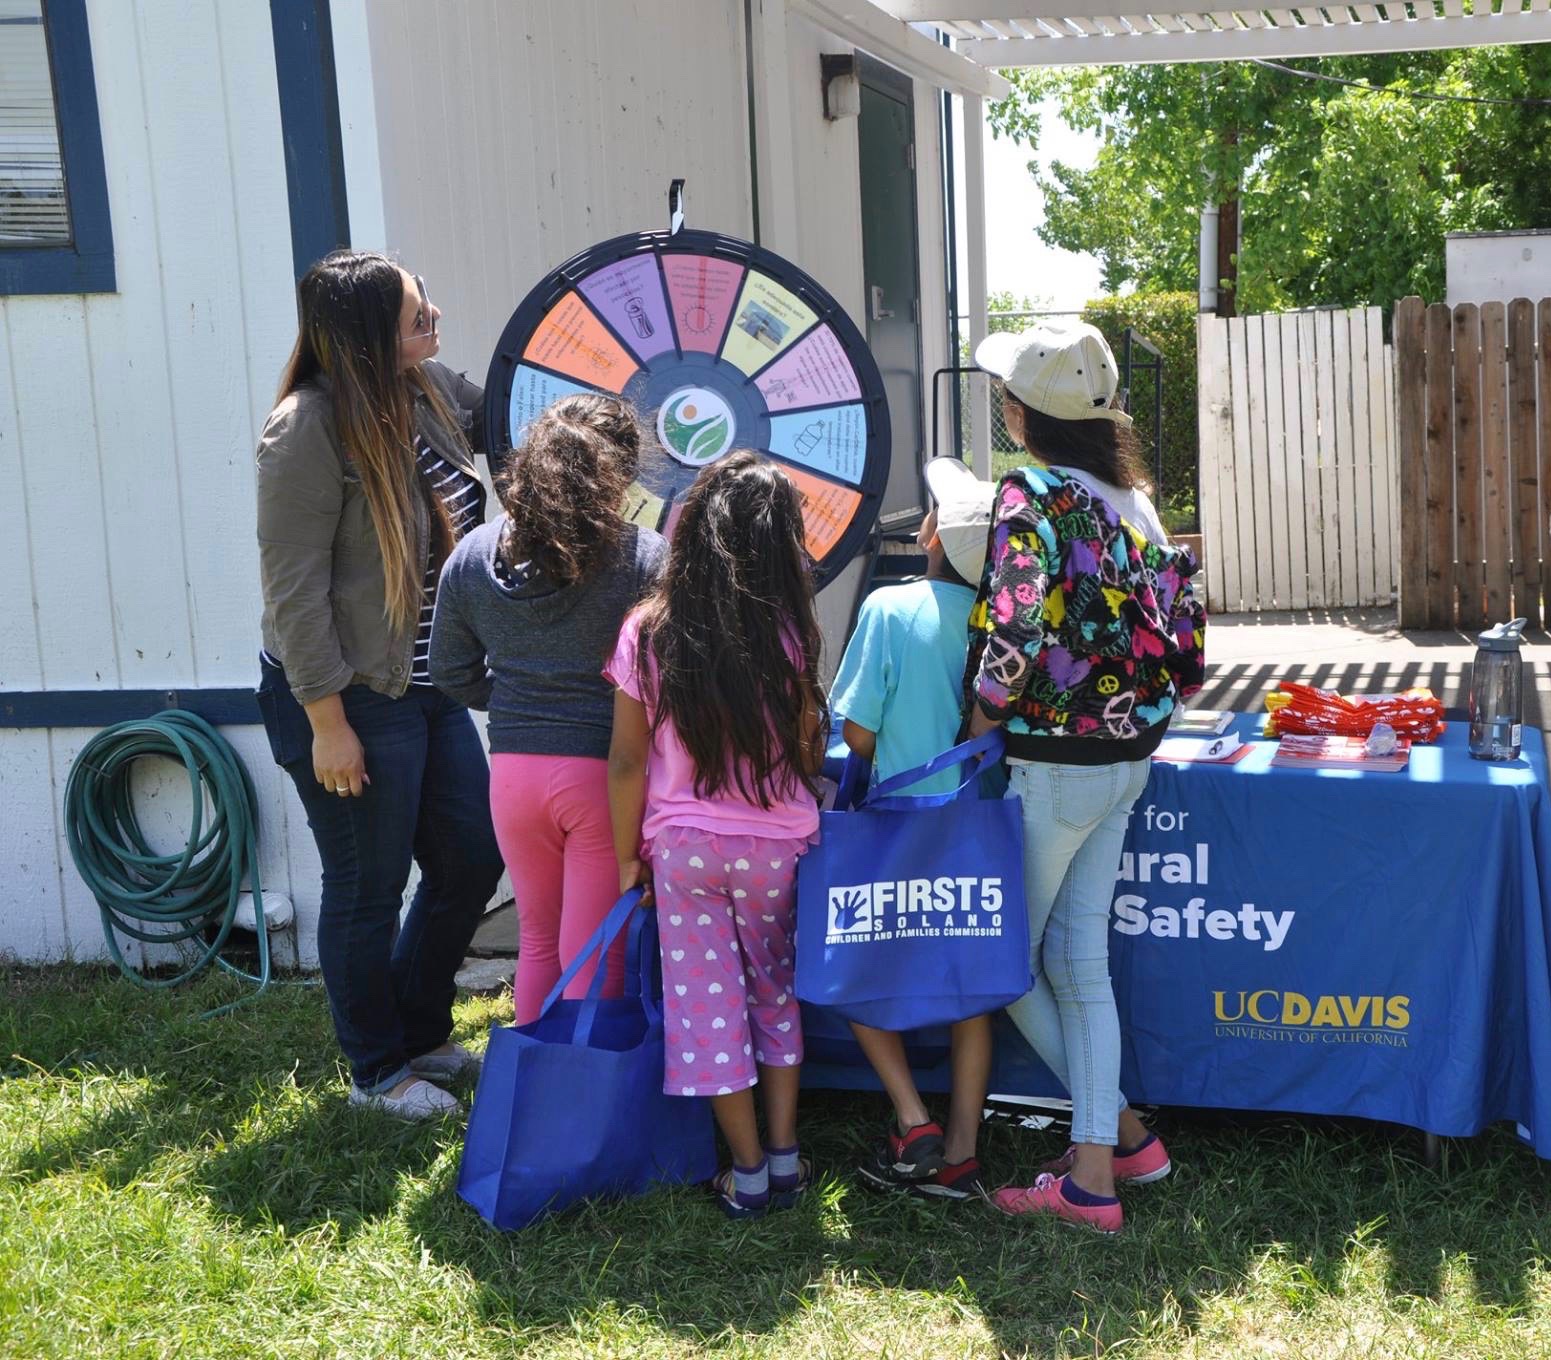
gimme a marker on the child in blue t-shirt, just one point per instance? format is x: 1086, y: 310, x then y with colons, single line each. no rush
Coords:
x: 900, y: 692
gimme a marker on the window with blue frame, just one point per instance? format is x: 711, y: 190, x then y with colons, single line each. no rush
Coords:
x: 55, y: 234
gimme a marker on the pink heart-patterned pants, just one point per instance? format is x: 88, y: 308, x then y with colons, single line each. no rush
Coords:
x: 726, y: 912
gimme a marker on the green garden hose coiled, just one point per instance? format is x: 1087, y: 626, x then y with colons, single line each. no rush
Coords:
x: 167, y: 899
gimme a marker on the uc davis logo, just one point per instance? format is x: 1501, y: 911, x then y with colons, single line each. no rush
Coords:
x: 850, y: 910
x: 1271, y: 1015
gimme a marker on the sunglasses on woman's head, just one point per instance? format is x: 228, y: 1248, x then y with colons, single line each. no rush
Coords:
x: 425, y: 318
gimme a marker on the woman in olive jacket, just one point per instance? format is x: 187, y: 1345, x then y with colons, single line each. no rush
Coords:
x: 365, y: 481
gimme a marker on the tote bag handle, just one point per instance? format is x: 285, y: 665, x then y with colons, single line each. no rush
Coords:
x: 604, y: 936
x: 852, y: 788
x: 984, y: 751
x: 642, y: 962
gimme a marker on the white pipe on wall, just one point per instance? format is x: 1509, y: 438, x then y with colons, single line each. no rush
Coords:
x: 1207, y: 274
x: 975, y: 302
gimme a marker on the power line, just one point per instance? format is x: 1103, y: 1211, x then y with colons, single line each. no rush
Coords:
x: 1392, y: 89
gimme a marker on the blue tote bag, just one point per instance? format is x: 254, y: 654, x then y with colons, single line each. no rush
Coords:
x: 910, y: 909
x: 571, y: 1106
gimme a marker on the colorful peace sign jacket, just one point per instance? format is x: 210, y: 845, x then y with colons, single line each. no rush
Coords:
x: 1085, y: 633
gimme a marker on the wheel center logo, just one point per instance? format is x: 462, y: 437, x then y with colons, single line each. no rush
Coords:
x: 695, y: 426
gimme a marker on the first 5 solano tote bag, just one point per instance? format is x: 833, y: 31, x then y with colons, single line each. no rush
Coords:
x: 910, y: 909
x: 572, y: 1105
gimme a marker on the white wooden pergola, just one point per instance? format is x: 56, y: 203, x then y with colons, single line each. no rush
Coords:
x: 1002, y: 33
x: 993, y: 34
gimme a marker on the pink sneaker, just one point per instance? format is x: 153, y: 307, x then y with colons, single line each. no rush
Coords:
x: 1147, y: 1164
x: 1045, y: 1197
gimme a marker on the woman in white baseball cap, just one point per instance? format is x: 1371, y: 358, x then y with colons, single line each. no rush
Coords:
x: 1085, y: 634
x: 1059, y: 385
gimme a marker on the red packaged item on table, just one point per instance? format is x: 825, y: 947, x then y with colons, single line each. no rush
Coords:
x: 1302, y: 709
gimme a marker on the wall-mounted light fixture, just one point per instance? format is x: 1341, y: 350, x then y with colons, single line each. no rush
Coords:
x: 842, y: 84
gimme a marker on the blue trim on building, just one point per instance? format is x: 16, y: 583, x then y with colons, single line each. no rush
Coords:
x: 104, y: 707
x: 85, y: 265
x: 309, y: 120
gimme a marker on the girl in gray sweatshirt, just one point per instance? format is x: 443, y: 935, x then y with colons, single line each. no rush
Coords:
x: 528, y: 610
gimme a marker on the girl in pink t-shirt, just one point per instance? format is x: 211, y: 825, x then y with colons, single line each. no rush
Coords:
x: 717, y: 722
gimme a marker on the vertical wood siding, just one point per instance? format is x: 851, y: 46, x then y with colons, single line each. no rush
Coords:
x: 486, y: 141
x: 127, y: 427
x: 1297, y: 461
x: 1475, y: 454
x: 510, y: 136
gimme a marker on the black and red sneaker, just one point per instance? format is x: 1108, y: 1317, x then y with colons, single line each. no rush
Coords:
x: 954, y: 1181
x: 902, y: 1160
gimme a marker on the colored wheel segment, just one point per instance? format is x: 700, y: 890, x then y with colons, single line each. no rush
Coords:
x: 719, y: 345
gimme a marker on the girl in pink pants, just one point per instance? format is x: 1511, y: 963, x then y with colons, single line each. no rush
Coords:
x: 551, y: 822
x: 527, y: 607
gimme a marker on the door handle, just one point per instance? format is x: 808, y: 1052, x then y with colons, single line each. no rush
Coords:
x: 879, y: 311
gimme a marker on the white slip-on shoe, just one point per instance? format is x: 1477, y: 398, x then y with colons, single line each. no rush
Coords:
x: 447, y: 1066
x: 419, y: 1100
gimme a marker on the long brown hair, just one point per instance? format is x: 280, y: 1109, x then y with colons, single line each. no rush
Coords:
x: 563, y: 489
x: 349, y: 304
x: 738, y: 587
x: 1105, y: 449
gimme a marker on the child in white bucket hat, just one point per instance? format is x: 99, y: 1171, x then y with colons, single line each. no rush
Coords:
x: 899, y: 694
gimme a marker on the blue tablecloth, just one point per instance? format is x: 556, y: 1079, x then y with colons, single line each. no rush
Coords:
x: 1321, y: 942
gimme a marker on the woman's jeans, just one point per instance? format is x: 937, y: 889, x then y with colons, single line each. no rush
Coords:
x: 390, y: 985
x: 1074, y: 825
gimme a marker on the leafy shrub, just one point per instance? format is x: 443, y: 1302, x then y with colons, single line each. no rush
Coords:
x: 1168, y: 321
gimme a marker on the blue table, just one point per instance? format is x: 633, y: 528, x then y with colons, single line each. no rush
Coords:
x: 1320, y: 942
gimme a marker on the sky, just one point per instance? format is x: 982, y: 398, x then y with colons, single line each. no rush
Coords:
x: 1017, y: 261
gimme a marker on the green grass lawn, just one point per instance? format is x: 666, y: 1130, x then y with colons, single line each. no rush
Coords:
x: 171, y: 1186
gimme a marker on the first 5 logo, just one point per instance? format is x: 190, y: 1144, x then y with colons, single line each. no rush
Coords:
x: 851, y: 910
x: 925, y: 903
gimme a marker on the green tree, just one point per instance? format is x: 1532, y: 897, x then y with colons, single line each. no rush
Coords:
x: 1344, y: 195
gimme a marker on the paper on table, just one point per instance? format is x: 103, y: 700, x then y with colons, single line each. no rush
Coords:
x: 1200, y: 722
x: 1200, y: 749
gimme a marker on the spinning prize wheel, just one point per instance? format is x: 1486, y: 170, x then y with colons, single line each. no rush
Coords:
x: 719, y: 345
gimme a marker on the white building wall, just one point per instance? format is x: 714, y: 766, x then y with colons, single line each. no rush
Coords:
x: 829, y: 221
x: 510, y: 136
x: 827, y: 166
x: 1496, y: 266
x: 481, y: 204
x: 485, y: 141
x: 127, y: 428
x: 828, y: 245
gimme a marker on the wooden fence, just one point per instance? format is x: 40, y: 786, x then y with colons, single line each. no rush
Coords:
x: 1296, y: 415
x: 1475, y: 461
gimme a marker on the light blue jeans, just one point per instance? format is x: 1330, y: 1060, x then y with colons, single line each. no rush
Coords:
x: 1074, y: 826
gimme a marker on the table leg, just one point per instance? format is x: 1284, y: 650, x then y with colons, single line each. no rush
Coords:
x: 1432, y: 1148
